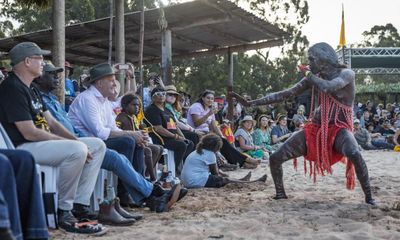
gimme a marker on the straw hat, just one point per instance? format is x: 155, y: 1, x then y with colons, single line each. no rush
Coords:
x: 171, y: 89
x: 248, y: 118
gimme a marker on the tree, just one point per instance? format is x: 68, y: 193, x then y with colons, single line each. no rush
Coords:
x: 381, y: 36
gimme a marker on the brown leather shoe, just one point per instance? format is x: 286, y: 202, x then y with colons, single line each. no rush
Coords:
x: 108, y: 215
x: 126, y: 214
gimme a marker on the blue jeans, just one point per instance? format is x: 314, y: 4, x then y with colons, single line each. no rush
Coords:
x: 136, y: 185
x: 135, y: 154
x: 382, y: 144
x: 30, y: 202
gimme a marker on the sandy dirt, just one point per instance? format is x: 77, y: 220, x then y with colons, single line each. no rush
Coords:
x: 324, y: 210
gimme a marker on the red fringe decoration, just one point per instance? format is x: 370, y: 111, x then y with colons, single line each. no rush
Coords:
x: 320, y: 138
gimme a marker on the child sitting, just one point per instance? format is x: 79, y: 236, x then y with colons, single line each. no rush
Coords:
x: 200, y: 168
x: 127, y: 120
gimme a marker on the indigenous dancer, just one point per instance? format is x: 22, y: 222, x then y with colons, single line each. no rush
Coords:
x: 328, y: 138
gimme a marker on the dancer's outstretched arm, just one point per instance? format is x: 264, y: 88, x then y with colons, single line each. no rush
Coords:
x: 275, y: 97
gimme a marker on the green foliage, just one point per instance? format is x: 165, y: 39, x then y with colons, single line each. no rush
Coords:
x: 379, y: 36
x: 382, y: 36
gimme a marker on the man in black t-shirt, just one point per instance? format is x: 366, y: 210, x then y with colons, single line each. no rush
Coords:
x: 166, y: 131
x: 32, y: 128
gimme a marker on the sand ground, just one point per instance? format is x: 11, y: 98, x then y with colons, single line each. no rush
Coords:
x: 325, y: 210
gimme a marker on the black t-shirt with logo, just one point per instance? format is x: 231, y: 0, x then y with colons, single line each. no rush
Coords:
x: 19, y: 103
x: 164, y: 118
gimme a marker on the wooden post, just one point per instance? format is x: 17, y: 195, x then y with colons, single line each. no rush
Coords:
x: 141, y: 43
x: 166, y: 60
x: 58, y: 49
x: 120, y: 40
x: 230, y: 85
x: 110, y: 31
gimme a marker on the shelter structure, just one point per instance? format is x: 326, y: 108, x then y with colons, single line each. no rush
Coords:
x: 194, y: 28
x: 369, y: 61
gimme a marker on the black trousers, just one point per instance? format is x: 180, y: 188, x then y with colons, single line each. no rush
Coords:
x: 181, y: 148
x: 191, y: 136
x: 232, y: 155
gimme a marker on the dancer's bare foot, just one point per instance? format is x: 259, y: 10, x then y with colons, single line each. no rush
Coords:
x: 263, y: 178
x: 280, y: 196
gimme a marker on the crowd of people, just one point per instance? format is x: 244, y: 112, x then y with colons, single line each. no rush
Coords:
x: 99, y: 128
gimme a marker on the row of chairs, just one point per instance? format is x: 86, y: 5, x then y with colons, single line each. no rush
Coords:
x: 48, y: 179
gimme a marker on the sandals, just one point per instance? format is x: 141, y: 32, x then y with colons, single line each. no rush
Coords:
x: 90, y: 228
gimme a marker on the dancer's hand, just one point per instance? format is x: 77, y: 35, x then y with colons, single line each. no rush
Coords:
x: 240, y: 99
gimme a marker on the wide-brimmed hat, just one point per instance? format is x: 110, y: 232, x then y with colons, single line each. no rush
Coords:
x: 99, y: 71
x: 280, y: 116
x: 248, y: 118
x: 71, y: 69
x: 23, y: 50
x: 171, y: 89
x: 49, y: 67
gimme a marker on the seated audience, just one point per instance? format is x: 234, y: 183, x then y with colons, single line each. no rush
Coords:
x: 280, y: 133
x: 201, y: 117
x: 245, y: 140
x: 164, y: 130
x: 262, y: 135
x: 31, y: 127
x: 141, y: 190
x: 173, y: 105
x: 21, y: 204
x: 201, y: 170
x: 91, y: 113
x: 128, y: 120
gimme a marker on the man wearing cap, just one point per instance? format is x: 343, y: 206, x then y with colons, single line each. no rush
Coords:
x: 91, y: 113
x: 31, y: 127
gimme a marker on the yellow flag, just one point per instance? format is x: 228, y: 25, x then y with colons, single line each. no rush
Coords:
x: 342, y: 41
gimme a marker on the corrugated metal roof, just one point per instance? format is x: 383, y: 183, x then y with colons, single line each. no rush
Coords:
x: 198, y: 27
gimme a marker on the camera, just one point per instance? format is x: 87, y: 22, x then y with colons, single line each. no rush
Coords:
x: 123, y: 66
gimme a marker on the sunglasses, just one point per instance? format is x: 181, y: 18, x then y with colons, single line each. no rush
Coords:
x: 159, y: 94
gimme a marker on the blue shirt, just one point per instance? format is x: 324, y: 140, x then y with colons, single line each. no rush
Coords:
x: 69, y: 88
x: 58, y: 112
x: 195, y: 171
x: 146, y: 97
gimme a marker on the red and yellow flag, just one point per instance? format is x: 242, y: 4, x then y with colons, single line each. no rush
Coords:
x: 342, y: 41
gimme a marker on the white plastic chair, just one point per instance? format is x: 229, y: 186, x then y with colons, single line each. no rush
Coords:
x: 98, y: 193
x: 170, y: 161
x: 48, y: 179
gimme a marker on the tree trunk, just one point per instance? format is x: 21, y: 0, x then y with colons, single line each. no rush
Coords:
x: 58, y: 49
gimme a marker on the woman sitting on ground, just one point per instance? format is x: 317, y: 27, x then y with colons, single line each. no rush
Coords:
x: 201, y: 117
x: 172, y: 104
x: 245, y: 140
x: 200, y: 168
x: 262, y: 135
x: 280, y: 133
x: 127, y: 120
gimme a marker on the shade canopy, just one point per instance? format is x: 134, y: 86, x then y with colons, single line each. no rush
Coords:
x: 198, y: 28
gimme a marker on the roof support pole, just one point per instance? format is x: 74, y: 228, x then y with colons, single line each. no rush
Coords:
x: 166, y: 60
x: 230, y: 85
x: 58, y: 49
x: 120, y: 40
x: 141, y: 43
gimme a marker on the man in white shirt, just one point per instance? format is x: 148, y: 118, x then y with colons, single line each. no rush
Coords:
x: 91, y: 114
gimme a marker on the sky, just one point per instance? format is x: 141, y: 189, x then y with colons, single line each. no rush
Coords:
x: 360, y: 16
